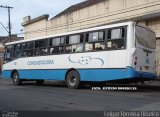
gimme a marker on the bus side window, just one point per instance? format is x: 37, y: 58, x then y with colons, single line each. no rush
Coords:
x: 56, y: 50
x: 24, y: 49
x: 95, y: 41
x: 116, y: 39
x: 17, y: 50
x: 89, y: 47
x: 99, y: 46
x: 74, y: 43
x: 30, y: 48
x: 57, y: 45
x: 27, y: 49
x: 68, y: 49
x: 41, y: 47
x: 79, y: 48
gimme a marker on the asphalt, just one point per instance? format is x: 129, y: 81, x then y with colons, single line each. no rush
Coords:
x: 57, y: 100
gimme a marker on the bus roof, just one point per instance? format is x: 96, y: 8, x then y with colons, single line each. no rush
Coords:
x: 74, y: 32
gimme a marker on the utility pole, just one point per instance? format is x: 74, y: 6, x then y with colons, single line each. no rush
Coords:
x: 9, y: 20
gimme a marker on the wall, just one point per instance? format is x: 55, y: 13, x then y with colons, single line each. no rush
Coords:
x: 155, y: 25
x: 36, y: 29
x: 102, y: 13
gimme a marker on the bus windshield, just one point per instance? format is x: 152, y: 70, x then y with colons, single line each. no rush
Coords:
x: 145, y: 37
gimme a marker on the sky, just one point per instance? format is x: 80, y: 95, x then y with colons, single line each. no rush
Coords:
x: 33, y: 8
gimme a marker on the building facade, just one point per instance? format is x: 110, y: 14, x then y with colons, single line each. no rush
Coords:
x: 93, y: 13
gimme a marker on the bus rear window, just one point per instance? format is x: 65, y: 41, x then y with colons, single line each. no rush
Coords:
x: 145, y: 37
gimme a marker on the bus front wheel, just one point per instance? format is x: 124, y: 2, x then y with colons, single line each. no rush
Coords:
x: 73, y: 79
x: 16, y: 80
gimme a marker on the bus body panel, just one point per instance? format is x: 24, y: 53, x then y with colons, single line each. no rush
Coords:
x: 96, y: 66
x: 91, y: 66
x: 144, y: 57
x: 103, y: 59
x: 114, y: 74
x: 38, y: 74
x: 144, y: 61
x: 57, y: 65
x: 85, y: 74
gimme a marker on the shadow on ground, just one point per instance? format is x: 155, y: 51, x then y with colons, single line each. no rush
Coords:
x: 147, y: 87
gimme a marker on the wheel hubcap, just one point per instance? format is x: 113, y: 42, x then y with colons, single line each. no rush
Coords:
x: 72, y: 80
x: 15, y: 77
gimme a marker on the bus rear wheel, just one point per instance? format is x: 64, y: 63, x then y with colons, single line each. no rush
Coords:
x: 15, y: 78
x: 73, y: 79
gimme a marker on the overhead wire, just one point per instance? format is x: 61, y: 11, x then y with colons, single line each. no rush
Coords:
x: 5, y: 2
x: 2, y: 1
x: 12, y: 2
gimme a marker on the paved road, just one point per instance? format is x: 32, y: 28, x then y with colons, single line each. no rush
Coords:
x: 53, y: 97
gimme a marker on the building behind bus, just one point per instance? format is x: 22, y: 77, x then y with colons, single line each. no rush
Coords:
x: 92, y: 13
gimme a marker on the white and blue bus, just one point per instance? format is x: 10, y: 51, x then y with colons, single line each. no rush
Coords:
x: 120, y: 51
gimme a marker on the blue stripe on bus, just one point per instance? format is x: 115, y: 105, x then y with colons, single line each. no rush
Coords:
x: 113, y: 74
x: 38, y: 74
x: 85, y: 74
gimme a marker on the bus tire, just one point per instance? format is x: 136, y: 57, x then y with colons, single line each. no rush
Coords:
x: 40, y: 82
x: 73, y: 79
x: 15, y: 78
